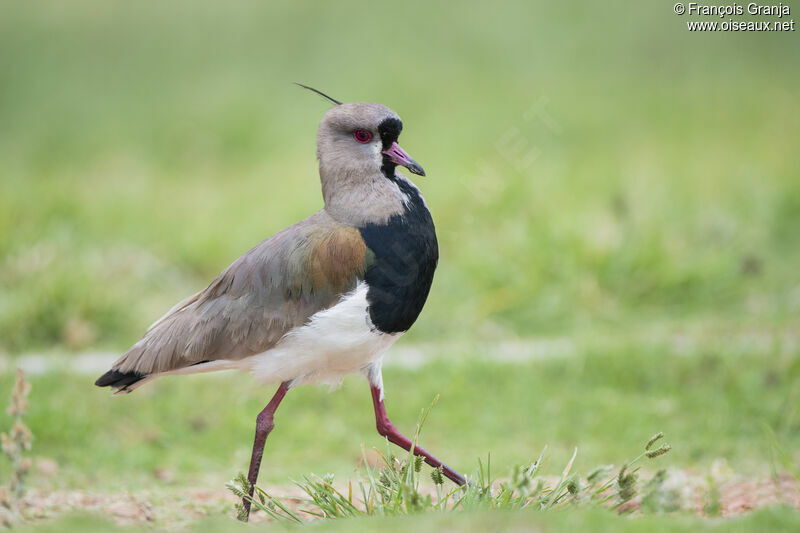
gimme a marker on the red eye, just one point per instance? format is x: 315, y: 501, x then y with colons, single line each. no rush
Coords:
x: 362, y: 136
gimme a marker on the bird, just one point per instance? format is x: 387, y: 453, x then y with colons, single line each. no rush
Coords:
x: 325, y: 297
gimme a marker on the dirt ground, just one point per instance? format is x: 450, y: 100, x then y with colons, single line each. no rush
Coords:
x: 177, y: 509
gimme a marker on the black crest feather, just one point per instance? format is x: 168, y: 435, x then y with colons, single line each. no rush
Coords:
x: 335, y: 101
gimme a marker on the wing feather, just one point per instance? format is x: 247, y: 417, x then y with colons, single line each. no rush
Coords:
x: 274, y: 287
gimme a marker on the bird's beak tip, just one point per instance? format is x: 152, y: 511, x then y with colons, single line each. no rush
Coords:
x: 414, y: 168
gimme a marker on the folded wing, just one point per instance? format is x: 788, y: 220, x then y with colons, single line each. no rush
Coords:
x: 273, y: 288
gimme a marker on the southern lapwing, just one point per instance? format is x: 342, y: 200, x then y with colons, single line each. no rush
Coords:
x: 321, y: 299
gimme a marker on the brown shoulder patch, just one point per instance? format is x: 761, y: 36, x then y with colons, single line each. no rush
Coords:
x: 336, y: 259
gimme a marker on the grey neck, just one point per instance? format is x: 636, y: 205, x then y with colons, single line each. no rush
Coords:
x: 357, y: 198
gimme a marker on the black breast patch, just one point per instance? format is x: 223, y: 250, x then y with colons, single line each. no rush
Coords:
x: 405, y: 256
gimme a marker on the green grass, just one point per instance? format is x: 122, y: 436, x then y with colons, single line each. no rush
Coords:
x: 774, y: 519
x: 712, y: 403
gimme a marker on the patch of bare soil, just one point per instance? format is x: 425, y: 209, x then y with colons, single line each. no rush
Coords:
x: 742, y: 496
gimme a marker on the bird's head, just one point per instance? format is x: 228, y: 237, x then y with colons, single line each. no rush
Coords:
x: 362, y: 137
x: 358, y: 153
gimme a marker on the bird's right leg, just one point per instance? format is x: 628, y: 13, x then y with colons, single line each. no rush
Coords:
x: 264, y: 424
x: 388, y: 430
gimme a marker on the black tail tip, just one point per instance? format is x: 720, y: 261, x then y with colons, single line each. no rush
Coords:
x: 118, y: 380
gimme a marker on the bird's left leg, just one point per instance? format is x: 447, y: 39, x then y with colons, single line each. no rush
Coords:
x: 388, y: 430
x: 264, y: 424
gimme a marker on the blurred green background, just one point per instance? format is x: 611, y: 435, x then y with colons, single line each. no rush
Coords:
x: 601, y: 179
x: 587, y: 166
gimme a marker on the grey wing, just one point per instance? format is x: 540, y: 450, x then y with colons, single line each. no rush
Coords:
x: 274, y: 287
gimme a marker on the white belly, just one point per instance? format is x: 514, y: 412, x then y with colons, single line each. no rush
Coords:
x: 335, y: 342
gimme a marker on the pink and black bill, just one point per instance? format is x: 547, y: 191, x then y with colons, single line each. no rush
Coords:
x: 398, y: 156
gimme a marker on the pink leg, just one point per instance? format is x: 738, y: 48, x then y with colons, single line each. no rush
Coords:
x: 264, y: 424
x: 387, y: 429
